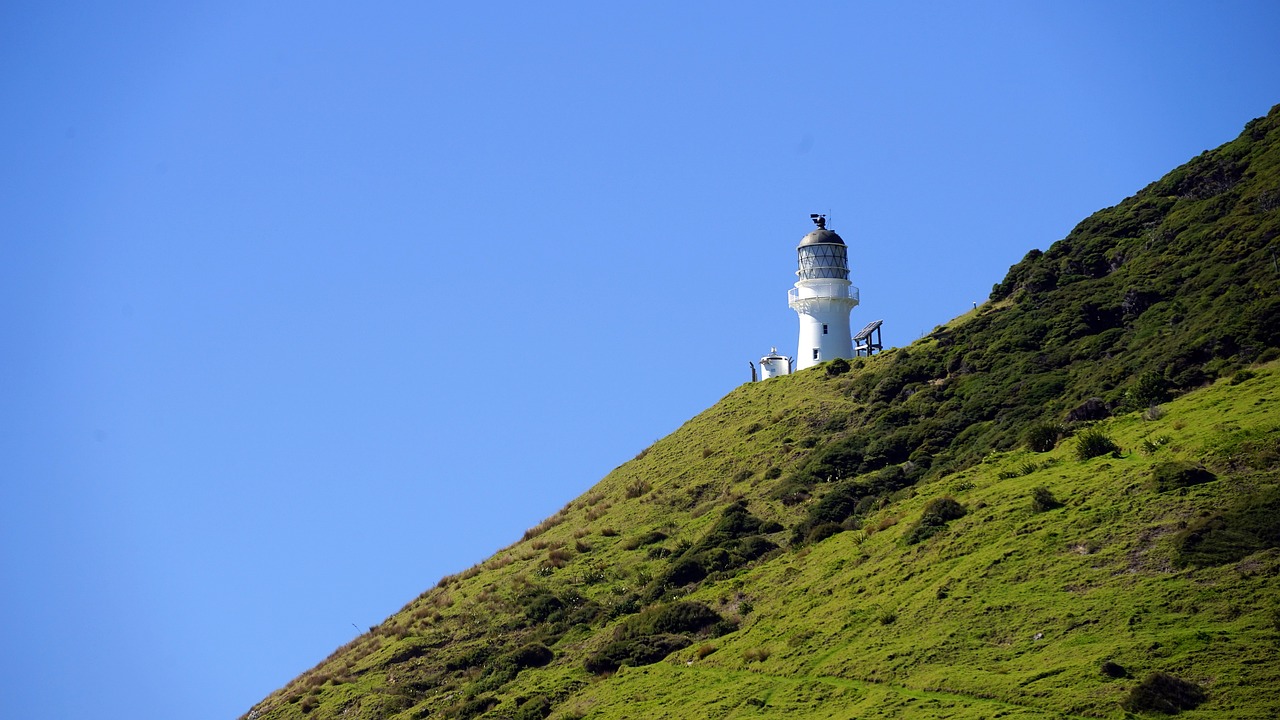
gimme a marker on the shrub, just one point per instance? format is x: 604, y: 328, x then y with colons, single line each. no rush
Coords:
x: 839, y: 366
x: 540, y: 605
x: 1162, y: 692
x: 674, y: 618
x: 1252, y: 524
x: 636, y: 489
x: 683, y: 572
x: 1179, y: 474
x: 934, y: 517
x: 475, y: 706
x: 649, y: 538
x: 887, y: 617
x: 1042, y: 500
x: 1113, y: 670
x: 532, y: 655
x: 635, y: 652
x: 1093, y: 443
x: 1242, y: 376
x: 535, y: 708
x: 1041, y: 437
x: 822, y: 532
x: 1149, y: 389
x: 945, y: 508
x: 704, y: 650
x: 756, y: 654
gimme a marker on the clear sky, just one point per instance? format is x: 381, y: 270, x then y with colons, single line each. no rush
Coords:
x: 306, y: 305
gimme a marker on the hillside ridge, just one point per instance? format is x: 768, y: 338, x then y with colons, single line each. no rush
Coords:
x: 1060, y: 504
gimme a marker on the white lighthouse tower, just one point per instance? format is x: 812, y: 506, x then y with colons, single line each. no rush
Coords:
x: 823, y: 297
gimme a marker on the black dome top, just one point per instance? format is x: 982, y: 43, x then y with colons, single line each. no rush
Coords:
x: 821, y: 236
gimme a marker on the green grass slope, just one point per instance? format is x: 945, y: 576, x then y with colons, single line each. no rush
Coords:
x: 1064, y: 504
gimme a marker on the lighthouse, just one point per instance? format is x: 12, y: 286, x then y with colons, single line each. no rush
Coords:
x: 822, y: 297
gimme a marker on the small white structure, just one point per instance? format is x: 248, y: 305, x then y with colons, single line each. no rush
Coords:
x: 773, y: 365
x: 822, y: 297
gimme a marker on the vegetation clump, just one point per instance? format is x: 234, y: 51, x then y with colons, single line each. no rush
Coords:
x: 1094, y: 443
x: 1114, y: 670
x: 654, y: 634
x: 534, y: 708
x: 736, y: 540
x: 1042, y: 437
x: 1164, y: 693
x: 848, y: 499
x: 1252, y: 524
x: 1179, y: 474
x: 839, y: 366
x: 531, y: 656
x: 648, y: 538
x: 1043, y: 500
x: 934, y: 517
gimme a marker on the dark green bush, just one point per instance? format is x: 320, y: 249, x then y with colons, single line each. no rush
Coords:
x: 933, y: 518
x: 833, y: 462
x: 1165, y: 693
x: 649, y: 538
x: 1149, y: 389
x: 735, y: 541
x: 535, y: 708
x: 680, y: 617
x: 1179, y: 474
x: 634, y: 652
x: 1093, y: 443
x: 1242, y: 376
x: 822, y: 532
x: 531, y: 655
x: 1252, y: 524
x: 1041, y: 437
x: 945, y: 509
x: 655, y: 633
x: 839, y: 366
x: 475, y: 657
x: 1114, y: 670
x: 539, y: 605
x: 1042, y: 500
x: 475, y: 706
x: 684, y: 571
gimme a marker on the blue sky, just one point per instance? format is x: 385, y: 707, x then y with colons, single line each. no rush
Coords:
x: 309, y: 304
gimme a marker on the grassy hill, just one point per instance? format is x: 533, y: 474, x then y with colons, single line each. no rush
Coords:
x: 1064, y: 504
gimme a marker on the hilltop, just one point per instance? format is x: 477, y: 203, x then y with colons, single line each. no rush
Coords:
x: 1063, y: 503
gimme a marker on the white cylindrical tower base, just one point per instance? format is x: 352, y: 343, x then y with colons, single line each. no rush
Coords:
x: 823, y: 306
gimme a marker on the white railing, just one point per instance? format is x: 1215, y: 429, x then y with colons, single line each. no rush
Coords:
x: 851, y: 292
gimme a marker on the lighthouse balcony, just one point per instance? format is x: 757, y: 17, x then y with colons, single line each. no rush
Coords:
x: 838, y: 293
